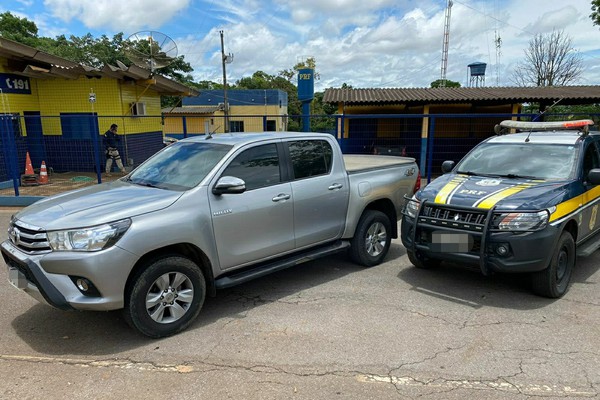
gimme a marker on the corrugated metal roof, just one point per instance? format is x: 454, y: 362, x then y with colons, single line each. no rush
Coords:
x: 568, y: 94
x: 190, y: 110
x: 37, y: 64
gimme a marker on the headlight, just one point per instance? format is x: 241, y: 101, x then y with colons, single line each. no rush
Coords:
x: 521, y: 221
x: 94, y: 238
x: 412, y: 207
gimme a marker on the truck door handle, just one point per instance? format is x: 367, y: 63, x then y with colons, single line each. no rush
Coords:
x: 281, y: 196
x: 335, y: 186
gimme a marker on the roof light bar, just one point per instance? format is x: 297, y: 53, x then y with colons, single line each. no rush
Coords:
x: 544, y: 126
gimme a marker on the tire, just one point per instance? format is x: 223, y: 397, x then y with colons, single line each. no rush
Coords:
x: 372, y: 239
x: 422, y: 262
x: 165, y: 297
x: 553, y: 282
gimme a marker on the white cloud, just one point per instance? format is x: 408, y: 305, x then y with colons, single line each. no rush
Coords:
x: 119, y: 16
x: 377, y: 43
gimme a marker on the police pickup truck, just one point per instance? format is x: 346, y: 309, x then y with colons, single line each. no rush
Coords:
x: 525, y: 200
x: 205, y: 213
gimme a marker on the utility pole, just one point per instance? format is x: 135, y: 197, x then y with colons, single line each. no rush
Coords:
x: 445, y: 43
x: 225, y: 59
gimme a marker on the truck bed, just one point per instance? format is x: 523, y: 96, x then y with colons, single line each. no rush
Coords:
x: 365, y: 162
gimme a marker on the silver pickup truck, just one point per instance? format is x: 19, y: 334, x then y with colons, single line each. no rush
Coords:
x: 203, y: 214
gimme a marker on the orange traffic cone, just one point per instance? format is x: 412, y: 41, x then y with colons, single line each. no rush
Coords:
x: 28, y: 166
x: 43, y: 174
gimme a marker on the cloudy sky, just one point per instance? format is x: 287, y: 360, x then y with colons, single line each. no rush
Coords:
x: 364, y: 43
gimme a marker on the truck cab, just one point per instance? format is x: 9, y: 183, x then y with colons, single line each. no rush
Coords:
x: 523, y: 201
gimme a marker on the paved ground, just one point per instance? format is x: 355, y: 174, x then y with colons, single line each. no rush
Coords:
x: 61, y: 182
x: 322, y: 330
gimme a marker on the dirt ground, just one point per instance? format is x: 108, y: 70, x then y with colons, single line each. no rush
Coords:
x: 60, y: 182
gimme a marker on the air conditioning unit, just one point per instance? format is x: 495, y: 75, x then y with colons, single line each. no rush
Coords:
x: 138, y: 108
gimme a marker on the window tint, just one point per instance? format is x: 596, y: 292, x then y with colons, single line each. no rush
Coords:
x: 258, y: 167
x: 310, y: 158
x: 590, y: 159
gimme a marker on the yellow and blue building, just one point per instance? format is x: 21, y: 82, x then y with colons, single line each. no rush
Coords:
x: 57, y: 110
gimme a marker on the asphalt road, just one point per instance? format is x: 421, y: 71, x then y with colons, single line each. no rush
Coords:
x: 322, y: 330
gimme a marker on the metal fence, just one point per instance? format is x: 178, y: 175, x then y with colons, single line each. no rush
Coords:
x: 71, y: 145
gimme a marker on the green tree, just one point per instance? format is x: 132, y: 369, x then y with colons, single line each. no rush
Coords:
x: 449, y: 83
x: 290, y: 74
x: 18, y: 29
x: 595, y: 15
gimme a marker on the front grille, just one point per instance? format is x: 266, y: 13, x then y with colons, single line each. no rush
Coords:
x: 470, y: 220
x: 28, y: 238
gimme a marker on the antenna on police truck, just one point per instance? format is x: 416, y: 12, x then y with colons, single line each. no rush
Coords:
x: 541, y: 114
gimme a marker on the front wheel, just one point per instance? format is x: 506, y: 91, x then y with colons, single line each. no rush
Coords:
x: 165, y: 297
x: 554, y: 281
x: 372, y: 239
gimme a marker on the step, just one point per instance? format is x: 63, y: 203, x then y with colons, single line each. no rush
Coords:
x: 267, y: 268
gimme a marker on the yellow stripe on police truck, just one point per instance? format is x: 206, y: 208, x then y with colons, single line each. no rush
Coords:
x: 490, y: 201
x: 450, y: 187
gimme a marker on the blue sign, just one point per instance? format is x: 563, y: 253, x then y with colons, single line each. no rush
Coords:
x: 306, y: 84
x: 11, y: 83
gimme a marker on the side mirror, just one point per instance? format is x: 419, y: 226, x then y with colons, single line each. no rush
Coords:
x: 447, y: 166
x: 593, y: 177
x: 229, y: 184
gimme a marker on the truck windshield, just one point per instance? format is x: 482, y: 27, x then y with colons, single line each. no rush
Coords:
x: 540, y: 161
x: 180, y: 166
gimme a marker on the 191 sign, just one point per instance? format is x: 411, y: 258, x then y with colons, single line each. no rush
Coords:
x: 11, y: 83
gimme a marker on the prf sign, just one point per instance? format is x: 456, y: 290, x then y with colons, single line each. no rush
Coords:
x: 11, y: 83
x: 306, y: 84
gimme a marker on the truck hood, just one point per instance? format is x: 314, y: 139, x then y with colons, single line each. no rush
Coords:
x: 95, y: 205
x: 487, y: 192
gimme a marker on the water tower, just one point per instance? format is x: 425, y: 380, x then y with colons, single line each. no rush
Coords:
x: 477, y: 74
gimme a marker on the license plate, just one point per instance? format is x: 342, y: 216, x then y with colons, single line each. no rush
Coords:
x: 451, y: 242
x: 17, y: 278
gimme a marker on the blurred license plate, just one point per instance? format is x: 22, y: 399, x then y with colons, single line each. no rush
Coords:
x: 16, y: 278
x: 451, y: 242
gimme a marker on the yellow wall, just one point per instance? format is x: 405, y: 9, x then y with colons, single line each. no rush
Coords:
x: 252, y: 116
x: 54, y: 96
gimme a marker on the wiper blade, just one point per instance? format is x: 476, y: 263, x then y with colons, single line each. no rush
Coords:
x: 515, y: 176
x: 473, y: 173
x: 142, y: 183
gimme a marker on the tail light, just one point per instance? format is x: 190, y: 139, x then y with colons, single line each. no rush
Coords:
x: 417, y: 183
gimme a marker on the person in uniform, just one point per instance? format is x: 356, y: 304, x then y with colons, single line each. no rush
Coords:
x: 111, y: 139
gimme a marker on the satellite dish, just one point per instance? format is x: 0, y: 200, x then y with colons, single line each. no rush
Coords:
x: 150, y: 50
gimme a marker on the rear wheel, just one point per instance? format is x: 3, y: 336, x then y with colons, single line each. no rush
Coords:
x: 422, y: 262
x: 165, y: 297
x: 372, y: 239
x: 554, y: 281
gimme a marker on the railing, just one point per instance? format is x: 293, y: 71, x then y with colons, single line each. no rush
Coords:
x: 71, y: 145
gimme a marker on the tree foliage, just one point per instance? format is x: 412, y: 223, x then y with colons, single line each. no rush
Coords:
x: 550, y: 60
x: 284, y: 80
x: 595, y: 15
x: 449, y: 83
x: 18, y: 29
